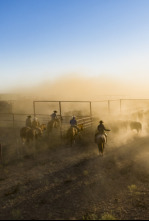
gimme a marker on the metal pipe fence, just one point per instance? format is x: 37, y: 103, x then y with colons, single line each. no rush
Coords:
x: 18, y: 120
x: 94, y: 108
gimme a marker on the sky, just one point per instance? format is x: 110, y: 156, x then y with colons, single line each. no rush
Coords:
x: 43, y: 40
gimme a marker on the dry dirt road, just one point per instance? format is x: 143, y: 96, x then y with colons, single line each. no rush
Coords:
x: 72, y: 183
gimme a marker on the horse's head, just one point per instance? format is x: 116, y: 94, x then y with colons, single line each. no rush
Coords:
x: 43, y: 127
x: 80, y: 126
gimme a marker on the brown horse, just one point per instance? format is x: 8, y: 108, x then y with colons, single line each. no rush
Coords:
x: 73, y: 133
x: 43, y: 127
x: 28, y: 134
x: 100, y: 141
x: 53, y: 124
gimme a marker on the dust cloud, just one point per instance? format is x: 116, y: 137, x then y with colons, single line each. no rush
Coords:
x: 116, y: 116
x: 75, y: 87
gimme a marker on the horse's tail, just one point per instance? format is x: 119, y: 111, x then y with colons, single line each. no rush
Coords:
x: 71, y: 135
x: 101, y: 147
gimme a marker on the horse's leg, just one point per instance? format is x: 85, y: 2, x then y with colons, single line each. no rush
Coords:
x: 27, y: 140
x: 102, y: 148
x: 72, y: 141
x: 80, y: 136
x: 51, y: 128
x: 23, y: 140
x: 99, y: 149
x: 56, y: 124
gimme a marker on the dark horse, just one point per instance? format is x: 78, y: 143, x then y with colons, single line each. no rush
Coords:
x: 73, y: 133
x: 100, y: 141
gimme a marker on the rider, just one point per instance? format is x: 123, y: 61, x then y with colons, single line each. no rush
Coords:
x: 35, y: 123
x: 73, y: 123
x: 28, y: 121
x: 54, y: 115
x: 54, y: 118
x: 101, y: 130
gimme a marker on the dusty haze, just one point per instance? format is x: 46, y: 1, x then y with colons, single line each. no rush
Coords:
x: 52, y: 161
x: 75, y: 87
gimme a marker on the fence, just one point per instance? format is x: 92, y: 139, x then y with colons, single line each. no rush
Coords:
x: 16, y: 121
x: 94, y: 108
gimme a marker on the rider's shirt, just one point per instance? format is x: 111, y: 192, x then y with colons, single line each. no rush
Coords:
x: 53, y: 116
x: 73, y: 122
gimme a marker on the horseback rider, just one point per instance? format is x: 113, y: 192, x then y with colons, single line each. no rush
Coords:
x: 28, y: 121
x: 101, y: 130
x: 54, y: 116
x: 54, y: 119
x: 35, y: 123
x: 73, y: 123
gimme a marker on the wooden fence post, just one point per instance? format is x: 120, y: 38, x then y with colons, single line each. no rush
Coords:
x: 0, y: 152
x: 13, y: 119
x: 90, y: 109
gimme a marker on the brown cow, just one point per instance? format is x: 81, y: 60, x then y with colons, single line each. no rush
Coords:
x: 135, y: 125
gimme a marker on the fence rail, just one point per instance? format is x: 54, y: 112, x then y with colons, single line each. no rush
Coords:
x: 18, y: 120
x: 122, y: 105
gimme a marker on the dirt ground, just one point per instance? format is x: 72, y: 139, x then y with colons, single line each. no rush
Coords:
x: 53, y: 181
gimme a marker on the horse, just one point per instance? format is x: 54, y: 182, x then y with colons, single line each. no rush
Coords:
x: 73, y: 133
x: 53, y: 124
x: 100, y: 141
x: 28, y: 134
x: 39, y: 130
x: 43, y: 127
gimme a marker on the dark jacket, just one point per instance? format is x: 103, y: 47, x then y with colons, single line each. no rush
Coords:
x: 53, y: 116
x: 101, y: 128
x: 28, y: 122
x: 73, y: 122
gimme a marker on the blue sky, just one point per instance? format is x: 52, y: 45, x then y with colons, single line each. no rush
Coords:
x: 45, y: 39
